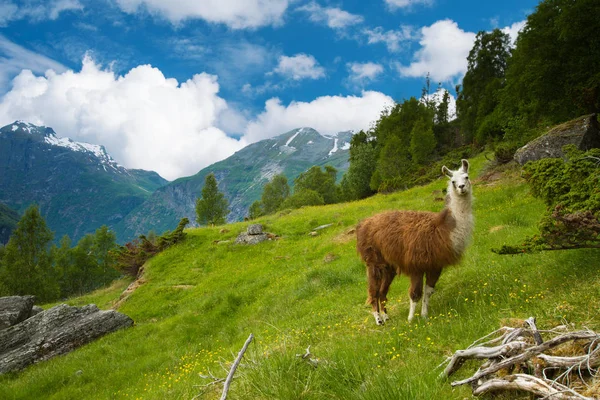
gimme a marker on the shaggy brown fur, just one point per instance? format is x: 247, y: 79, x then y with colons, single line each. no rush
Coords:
x: 405, y: 242
x: 416, y: 244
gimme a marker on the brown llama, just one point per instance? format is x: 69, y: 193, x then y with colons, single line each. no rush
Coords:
x: 416, y: 244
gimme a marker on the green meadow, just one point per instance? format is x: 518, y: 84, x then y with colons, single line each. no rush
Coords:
x: 198, y: 302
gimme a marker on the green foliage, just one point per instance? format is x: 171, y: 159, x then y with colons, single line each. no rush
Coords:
x: 321, y: 182
x: 212, y: 207
x: 393, y: 166
x: 88, y: 265
x: 255, y: 210
x: 274, y: 193
x: 422, y: 142
x: 551, y: 75
x: 355, y: 183
x: 133, y: 255
x: 27, y: 260
x: 8, y: 222
x: 505, y: 152
x: 303, y: 197
x: 487, y: 63
x: 571, y: 193
x: 201, y: 300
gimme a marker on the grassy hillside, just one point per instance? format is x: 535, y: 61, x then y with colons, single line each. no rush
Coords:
x: 201, y: 300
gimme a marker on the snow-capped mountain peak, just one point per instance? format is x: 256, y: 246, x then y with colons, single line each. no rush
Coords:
x: 49, y: 136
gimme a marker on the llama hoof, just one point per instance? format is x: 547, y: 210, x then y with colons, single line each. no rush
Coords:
x: 378, y: 319
x: 385, y: 317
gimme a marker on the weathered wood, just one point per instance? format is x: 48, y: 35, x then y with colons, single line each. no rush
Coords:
x: 234, y: 367
x: 53, y: 332
x: 531, y: 384
x: 528, y: 353
x: 461, y: 356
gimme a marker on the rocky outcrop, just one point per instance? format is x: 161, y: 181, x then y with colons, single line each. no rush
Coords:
x: 583, y: 132
x: 253, y: 235
x: 14, y: 309
x: 56, y: 331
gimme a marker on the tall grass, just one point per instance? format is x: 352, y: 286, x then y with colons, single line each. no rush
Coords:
x: 202, y: 299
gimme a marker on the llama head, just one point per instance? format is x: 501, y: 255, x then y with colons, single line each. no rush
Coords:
x: 459, y: 180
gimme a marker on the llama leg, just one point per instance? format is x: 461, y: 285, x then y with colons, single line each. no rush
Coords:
x: 374, y: 278
x: 432, y: 278
x: 387, y: 278
x: 415, y: 292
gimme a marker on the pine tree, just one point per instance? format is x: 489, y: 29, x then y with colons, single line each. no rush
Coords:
x: 422, y: 142
x: 105, y: 241
x: 255, y: 210
x: 212, y: 208
x: 274, y: 193
x: 27, y: 261
x: 485, y: 77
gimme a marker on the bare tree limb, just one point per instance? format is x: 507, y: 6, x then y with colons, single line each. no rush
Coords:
x: 530, y: 384
x: 528, y: 353
x: 234, y: 367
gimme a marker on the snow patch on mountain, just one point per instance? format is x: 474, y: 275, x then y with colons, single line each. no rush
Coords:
x: 290, y: 140
x: 335, y: 146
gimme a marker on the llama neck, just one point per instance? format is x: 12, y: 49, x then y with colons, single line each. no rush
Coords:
x: 461, y: 209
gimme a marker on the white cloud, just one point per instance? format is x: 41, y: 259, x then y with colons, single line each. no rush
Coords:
x: 233, y: 13
x: 298, y: 67
x: 14, y: 58
x: 333, y: 17
x: 514, y: 29
x: 36, y: 10
x: 443, y: 53
x: 361, y: 73
x: 392, y: 38
x: 326, y: 114
x: 144, y: 119
x: 395, y: 4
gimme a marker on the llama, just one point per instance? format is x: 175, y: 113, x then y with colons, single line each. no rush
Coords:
x: 416, y: 244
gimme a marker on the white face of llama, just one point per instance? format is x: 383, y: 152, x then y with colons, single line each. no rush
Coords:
x: 459, y: 179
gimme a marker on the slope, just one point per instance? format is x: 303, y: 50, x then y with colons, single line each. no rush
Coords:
x: 200, y: 300
x: 8, y: 222
x: 241, y: 178
x: 78, y: 186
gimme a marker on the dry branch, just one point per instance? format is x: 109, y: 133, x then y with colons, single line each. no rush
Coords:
x: 524, y: 348
x: 531, y: 384
x: 234, y: 367
x: 528, y: 353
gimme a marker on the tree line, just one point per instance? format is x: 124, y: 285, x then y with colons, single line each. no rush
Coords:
x: 32, y: 264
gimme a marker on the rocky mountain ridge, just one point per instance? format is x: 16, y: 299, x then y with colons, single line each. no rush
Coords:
x: 80, y: 187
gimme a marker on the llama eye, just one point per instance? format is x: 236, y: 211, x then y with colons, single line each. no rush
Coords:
x: 467, y: 177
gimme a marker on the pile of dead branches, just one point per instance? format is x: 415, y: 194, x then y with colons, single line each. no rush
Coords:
x: 555, y: 364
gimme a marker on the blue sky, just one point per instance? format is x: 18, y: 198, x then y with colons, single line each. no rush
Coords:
x: 176, y: 85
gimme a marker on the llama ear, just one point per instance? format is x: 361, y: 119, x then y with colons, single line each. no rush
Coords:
x: 446, y: 172
x: 465, y: 165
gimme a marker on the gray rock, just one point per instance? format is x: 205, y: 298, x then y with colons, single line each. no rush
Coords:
x: 35, y: 310
x: 53, y: 332
x: 245, y: 238
x: 255, y: 229
x: 14, y: 309
x: 583, y: 132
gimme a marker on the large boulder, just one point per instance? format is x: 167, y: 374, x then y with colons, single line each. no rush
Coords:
x: 583, y: 132
x: 53, y: 332
x: 14, y: 309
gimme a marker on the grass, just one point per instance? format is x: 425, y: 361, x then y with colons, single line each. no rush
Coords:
x: 201, y: 300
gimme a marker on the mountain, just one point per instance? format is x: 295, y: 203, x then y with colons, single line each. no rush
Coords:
x: 78, y: 186
x: 241, y: 178
x: 8, y: 222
